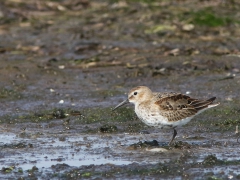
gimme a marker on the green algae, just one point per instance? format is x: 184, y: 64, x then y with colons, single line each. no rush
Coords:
x: 83, y: 116
x: 8, y: 169
x: 41, y: 116
x: 11, y: 94
x: 86, y: 174
x: 93, y: 115
x: 206, y: 17
x: 213, y: 178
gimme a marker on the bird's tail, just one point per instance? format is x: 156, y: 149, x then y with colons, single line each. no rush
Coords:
x: 205, y: 104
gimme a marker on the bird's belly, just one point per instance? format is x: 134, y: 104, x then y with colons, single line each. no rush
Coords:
x: 160, y: 121
x: 154, y: 121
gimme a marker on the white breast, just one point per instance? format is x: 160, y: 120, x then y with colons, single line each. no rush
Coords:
x: 147, y: 117
x: 156, y: 120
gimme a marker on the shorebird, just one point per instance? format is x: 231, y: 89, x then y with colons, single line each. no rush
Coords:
x: 165, y: 110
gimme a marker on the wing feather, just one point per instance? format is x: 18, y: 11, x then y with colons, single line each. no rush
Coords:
x: 176, y: 106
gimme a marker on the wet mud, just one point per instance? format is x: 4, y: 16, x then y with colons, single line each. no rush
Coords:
x: 66, y: 64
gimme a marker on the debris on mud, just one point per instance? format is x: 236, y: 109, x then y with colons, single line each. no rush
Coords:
x: 143, y: 145
x: 108, y: 128
x: 59, y: 113
x: 182, y: 145
x: 211, y: 160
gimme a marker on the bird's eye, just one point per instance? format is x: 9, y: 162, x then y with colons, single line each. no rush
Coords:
x: 135, y: 93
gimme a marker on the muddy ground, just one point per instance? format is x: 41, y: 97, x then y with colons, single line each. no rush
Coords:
x: 66, y: 64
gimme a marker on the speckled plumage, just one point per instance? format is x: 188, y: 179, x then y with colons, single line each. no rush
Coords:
x: 165, y: 110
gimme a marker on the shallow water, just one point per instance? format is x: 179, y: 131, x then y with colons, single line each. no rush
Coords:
x: 74, y: 151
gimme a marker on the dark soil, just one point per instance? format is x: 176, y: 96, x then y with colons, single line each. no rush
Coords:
x: 66, y: 63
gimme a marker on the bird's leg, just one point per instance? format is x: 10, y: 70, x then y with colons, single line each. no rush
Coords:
x: 174, y: 135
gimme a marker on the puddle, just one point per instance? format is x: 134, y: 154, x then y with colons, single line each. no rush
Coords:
x: 73, y: 151
x: 78, y: 150
x: 81, y: 149
x: 77, y: 160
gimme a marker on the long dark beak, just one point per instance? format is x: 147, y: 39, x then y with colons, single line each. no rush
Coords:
x: 121, y: 104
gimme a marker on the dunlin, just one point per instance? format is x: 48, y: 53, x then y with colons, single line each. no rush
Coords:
x: 165, y: 110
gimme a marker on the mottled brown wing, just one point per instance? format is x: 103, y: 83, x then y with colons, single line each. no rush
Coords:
x: 178, y: 106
